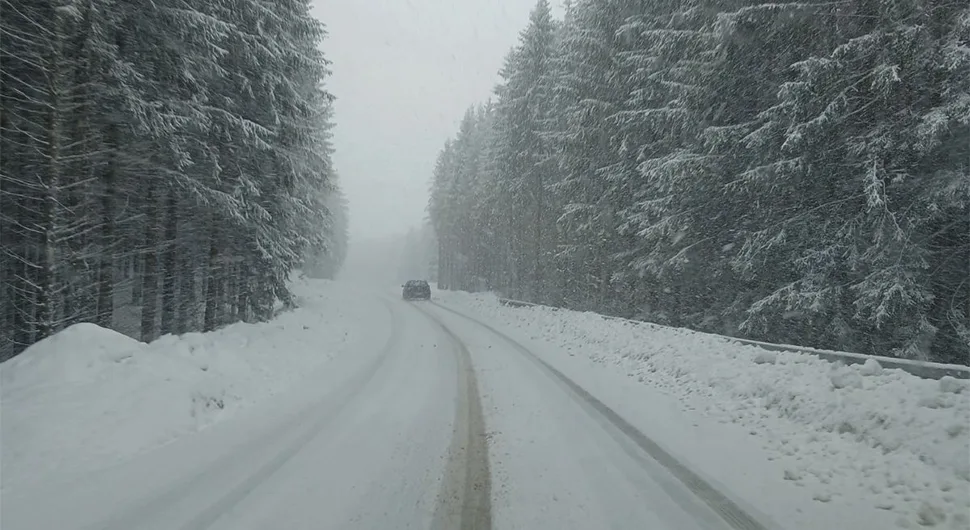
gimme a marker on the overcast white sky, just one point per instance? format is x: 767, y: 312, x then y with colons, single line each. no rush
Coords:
x: 404, y: 71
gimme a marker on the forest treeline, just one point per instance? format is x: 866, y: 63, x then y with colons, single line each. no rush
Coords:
x: 164, y: 164
x: 790, y: 171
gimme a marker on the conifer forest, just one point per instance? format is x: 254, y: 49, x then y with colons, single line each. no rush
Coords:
x: 164, y: 164
x: 788, y: 171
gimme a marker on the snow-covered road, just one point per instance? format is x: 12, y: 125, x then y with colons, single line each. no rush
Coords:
x: 359, y: 444
x: 432, y: 420
x: 562, y: 459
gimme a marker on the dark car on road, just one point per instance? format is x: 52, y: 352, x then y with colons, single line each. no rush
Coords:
x: 417, y: 290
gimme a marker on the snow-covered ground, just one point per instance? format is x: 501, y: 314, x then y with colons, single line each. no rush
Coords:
x: 810, y: 443
x: 556, y: 464
x: 87, y: 397
x: 346, y: 413
x: 336, y: 415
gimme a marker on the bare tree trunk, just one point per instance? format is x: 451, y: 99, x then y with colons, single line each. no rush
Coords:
x: 149, y: 306
x: 137, y: 272
x: 242, y: 300
x: 232, y: 291
x: 169, y: 263
x: 442, y: 265
x: 210, y: 319
x: 515, y: 285
x: 106, y: 265
x: 188, y: 298
x: 47, y: 304
x: 537, y: 290
x: 221, y: 277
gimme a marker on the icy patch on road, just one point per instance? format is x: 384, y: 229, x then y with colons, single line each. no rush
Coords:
x: 88, y: 397
x: 858, y: 433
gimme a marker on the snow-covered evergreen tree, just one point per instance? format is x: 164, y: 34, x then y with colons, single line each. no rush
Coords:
x: 795, y: 172
x: 523, y: 106
x: 168, y: 154
x: 858, y: 155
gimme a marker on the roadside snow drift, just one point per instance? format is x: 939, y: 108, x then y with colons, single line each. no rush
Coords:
x: 879, y: 438
x: 88, y: 397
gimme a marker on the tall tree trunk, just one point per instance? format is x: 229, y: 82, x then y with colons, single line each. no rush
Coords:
x: 6, y: 308
x: 538, y: 293
x: 32, y: 302
x: 169, y: 263
x: 11, y: 263
x: 442, y: 273
x: 221, y: 279
x: 453, y: 280
x: 106, y: 262
x: 149, y: 290
x: 137, y: 273
x: 232, y: 291
x: 210, y: 319
x: 242, y: 300
x: 187, y: 292
x: 47, y: 303
x: 70, y: 301
x: 515, y: 283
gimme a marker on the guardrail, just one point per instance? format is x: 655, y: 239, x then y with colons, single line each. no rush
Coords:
x: 926, y: 370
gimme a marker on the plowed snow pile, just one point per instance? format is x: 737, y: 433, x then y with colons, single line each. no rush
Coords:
x: 890, y: 440
x: 87, y: 396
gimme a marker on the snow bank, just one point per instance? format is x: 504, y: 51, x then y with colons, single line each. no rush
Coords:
x: 87, y: 397
x: 899, y: 441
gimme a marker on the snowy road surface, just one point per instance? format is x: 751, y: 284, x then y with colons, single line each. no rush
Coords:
x: 562, y: 459
x: 434, y: 421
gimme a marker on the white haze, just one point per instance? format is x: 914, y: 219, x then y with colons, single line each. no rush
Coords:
x: 404, y: 71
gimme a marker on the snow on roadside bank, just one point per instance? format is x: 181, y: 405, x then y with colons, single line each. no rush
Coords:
x: 858, y: 435
x: 88, y: 397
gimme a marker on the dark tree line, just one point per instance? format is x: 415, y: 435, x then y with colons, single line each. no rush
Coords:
x: 794, y: 172
x: 164, y: 164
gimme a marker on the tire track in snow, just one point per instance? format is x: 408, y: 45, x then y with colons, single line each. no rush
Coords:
x: 289, y: 446
x: 724, y: 507
x: 465, y: 498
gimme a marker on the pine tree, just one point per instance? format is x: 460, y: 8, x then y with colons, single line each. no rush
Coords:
x: 524, y: 107
x: 853, y: 174
x: 794, y: 172
x: 592, y: 85
x: 156, y: 147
